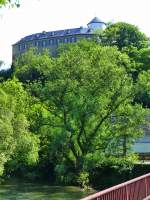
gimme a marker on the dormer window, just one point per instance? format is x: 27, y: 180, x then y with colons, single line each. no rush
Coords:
x: 68, y: 31
x: 51, y: 33
x: 37, y: 35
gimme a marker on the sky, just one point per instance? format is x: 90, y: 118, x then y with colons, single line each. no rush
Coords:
x: 35, y: 16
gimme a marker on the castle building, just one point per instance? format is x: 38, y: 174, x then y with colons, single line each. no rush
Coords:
x: 51, y: 40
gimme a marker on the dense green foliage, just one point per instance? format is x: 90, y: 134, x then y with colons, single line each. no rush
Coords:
x: 124, y: 35
x: 129, y: 40
x: 80, y: 111
x: 85, y: 90
x: 17, y: 142
x: 9, y: 2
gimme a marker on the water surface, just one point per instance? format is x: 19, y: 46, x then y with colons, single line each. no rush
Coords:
x: 28, y: 191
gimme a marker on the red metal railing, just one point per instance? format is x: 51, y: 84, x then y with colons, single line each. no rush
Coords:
x: 135, y: 189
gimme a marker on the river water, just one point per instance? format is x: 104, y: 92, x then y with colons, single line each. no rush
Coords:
x: 28, y: 191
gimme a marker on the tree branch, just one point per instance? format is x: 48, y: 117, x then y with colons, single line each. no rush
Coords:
x: 113, y: 108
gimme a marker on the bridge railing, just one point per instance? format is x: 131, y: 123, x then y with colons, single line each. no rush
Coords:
x: 135, y: 189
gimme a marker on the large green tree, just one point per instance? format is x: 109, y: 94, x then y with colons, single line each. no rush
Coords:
x: 87, y: 87
x: 86, y: 115
x: 18, y: 144
x: 124, y: 35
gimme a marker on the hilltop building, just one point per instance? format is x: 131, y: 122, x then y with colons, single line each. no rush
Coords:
x: 51, y: 40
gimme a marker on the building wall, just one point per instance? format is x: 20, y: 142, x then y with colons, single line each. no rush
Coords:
x: 50, y: 43
x: 52, y: 39
x: 142, y: 145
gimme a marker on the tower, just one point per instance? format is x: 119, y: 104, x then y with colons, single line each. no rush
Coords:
x: 95, y: 24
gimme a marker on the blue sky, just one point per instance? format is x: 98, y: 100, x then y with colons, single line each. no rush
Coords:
x: 39, y: 15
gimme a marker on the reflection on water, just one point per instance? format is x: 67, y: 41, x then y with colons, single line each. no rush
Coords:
x: 28, y: 191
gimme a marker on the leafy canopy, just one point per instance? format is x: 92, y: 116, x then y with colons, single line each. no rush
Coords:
x: 124, y: 35
x: 18, y: 144
x: 85, y: 88
x: 9, y: 2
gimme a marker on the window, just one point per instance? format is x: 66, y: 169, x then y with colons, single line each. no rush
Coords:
x: 37, y: 35
x: 43, y: 43
x: 19, y: 47
x: 73, y: 39
x: 68, y: 31
x: 23, y: 46
x: 35, y: 43
x: 65, y: 40
x: 46, y: 43
x: 39, y: 43
x: 51, y: 42
x: 55, y: 41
